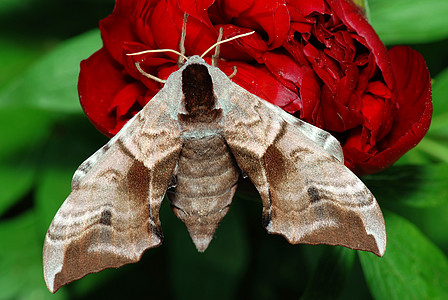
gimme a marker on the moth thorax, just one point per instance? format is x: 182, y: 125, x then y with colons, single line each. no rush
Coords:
x: 197, y: 87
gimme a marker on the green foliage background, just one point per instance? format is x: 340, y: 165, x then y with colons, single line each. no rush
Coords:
x: 44, y: 136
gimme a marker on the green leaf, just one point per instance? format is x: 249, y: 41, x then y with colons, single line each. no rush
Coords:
x: 412, y: 185
x: 440, y: 93
x: 412, y: 267
x: 15, y: 58
x: 21, y: 260
x: 433, y: 222
x: 51, y: 84
x: 10, y: 5
x: 53, y: 188
x: 409, y: 21
x: 214, y: 274
x: 23, y: 134
x: 436, y: 148
x: 73, y: 141
x: 439, y: 124
x: 17, y: 176
x: 413, y: 157
x: 331, y: 273
x: 22, y: 128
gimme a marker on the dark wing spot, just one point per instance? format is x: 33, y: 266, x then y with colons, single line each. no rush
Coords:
x: 106, y: 216
x: 275, y: 162
x: 313, y: 192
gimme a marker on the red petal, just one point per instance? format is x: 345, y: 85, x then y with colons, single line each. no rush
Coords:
x: 324, y: 66
x: 259, y: 81
x: 242, y: 49
x: 223, y: 11
x: 118, y: 27
x: 143, y: 13
x: 165, y: 23
x: 352, y: 16
x: 285, y: 69
x: 272, y: 17
x: 96, y: 99
x: 126, y: 98
x: 378, y: 107
x: 373, y: 112
x: 413, y: 85
x: 197, y: 9
x: 306, y: 8
x: 310, y: 93
x: 337, y: 116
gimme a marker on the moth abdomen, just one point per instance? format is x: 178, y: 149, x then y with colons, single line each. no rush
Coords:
x: 206, y: 180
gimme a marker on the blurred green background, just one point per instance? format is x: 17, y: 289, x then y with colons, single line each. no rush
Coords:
x: 44, y: 136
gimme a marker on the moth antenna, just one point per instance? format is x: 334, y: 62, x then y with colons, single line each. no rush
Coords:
x: 158, y: 50
x: 233, y: 73
x: 181, y: 59
x: 137, y: 65
x: 215, y: 57
x: 225, y: 41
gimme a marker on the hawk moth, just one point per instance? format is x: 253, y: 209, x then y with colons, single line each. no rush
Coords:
x: 194, y: 139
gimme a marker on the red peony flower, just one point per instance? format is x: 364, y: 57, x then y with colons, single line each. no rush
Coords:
x: 317, y: 59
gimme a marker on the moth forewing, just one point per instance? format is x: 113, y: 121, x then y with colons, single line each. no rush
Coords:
x: 111, y: 216
x: 308, y: 195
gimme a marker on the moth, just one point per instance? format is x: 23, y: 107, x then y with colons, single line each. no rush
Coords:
x: 191, y: 142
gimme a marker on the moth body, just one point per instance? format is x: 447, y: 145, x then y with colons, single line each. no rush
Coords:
x: 206, y: 174
x: 194, y: 138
